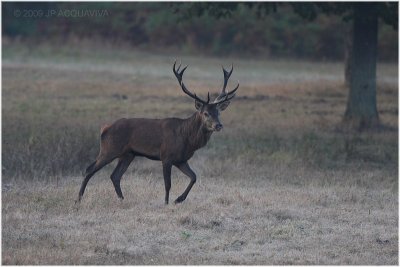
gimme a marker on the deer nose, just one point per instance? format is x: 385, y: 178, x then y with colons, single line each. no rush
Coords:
x: 218, y: 127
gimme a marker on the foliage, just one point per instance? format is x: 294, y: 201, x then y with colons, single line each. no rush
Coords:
x: 253, y: 29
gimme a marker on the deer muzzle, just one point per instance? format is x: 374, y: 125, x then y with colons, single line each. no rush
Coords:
x: 218, y: 127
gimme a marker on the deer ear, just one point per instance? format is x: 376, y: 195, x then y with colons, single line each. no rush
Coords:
x: 198, y: 105
x: 223, y: 105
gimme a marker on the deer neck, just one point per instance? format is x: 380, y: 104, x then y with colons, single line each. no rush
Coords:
x: 197, y: 135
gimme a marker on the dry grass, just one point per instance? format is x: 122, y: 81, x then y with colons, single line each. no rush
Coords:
x: 280, y: 185
x: 226, y: 220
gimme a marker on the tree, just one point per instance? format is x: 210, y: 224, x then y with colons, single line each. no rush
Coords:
x: 361, y: 54
x: 361, y: 111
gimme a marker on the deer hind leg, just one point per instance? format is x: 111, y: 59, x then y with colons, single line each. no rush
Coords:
x: 185, y: 168
x: 121, y: 168
x: 100, y: 162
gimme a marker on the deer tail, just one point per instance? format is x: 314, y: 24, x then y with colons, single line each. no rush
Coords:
x: 104, y: 130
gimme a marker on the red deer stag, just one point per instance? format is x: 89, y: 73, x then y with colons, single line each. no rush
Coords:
x: 173, y: 141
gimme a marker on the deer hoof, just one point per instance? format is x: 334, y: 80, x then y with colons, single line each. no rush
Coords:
x: 179, y: 200
x: 76, y: 206
x: 77, y: 201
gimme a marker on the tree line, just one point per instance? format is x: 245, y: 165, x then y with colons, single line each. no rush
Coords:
x: 244, y: 32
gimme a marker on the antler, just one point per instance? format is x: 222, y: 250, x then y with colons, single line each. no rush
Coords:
x: 179, y: 74
x: 223, y: 96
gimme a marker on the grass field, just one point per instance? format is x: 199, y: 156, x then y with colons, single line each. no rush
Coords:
x: 281, y: 184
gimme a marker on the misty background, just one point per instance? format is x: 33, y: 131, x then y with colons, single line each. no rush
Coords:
x: 278, y: 32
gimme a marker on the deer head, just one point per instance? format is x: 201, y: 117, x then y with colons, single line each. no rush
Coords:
x: 209, y: 112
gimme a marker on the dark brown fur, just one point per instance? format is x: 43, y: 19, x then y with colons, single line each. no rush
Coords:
x: 172, y: 141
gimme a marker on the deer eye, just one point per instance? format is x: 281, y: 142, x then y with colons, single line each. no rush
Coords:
x: 206, y: 114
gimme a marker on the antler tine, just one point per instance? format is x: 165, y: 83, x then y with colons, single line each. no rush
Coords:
x: 227, y: 96
x: 227, y: 75
x: 234, y: 90
x: 179, y: 75
x: 180, y: 64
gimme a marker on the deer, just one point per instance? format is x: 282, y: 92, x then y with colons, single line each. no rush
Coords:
x: 173, y: 141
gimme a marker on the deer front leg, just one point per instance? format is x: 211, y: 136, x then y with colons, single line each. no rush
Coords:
x: 167, y: 179
x: 185, y: 168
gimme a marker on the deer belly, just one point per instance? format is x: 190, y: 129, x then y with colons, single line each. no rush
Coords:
x: 146, y: 147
